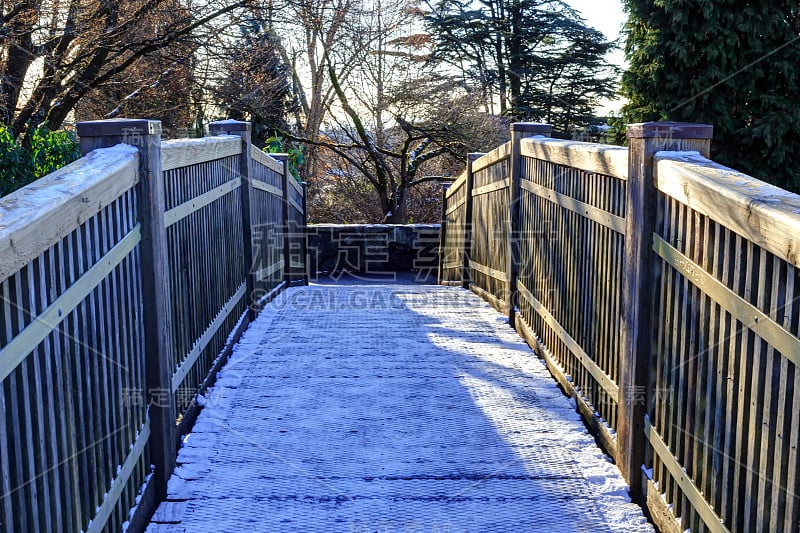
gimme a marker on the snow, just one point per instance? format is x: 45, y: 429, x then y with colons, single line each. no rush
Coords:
x: 422, y: 411
x: 376, y: 226
x: 687, y: 155
x: 776, y: 208
x: 137, y: 500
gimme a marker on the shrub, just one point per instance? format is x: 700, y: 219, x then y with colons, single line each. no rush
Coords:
x: 276, y: 145
x: 49, y: 151
x: 14, y: 161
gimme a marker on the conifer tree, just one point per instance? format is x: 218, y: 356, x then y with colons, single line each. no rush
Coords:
x: 536, y: 58
x: 257, y: 82
x: 730, y: 63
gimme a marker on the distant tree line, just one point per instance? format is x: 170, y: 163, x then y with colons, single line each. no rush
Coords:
x: 380, y: 100
x: 377, y: 101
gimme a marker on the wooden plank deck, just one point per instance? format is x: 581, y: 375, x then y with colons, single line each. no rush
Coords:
x: 390, y: 408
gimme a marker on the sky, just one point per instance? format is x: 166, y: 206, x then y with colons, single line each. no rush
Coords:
x: 608, y: 17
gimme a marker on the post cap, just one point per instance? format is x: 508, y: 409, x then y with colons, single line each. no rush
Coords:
x: 475, y: 155
x: 532, y: 127
x: 670, y: 130
x: 225, y: 126
x: 280, y: 157
x: 118, y: 126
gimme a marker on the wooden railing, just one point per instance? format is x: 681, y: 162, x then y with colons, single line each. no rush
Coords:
x: 571, y: 236
x: 125, y: 278
x: 662, y: 291
x: 724, y: 427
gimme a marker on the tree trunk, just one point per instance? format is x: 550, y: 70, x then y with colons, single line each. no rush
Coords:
x: 514, y: 45
x: 497, y: 22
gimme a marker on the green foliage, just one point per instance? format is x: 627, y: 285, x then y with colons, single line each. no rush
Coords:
x: 277, y: 145
x: 258, y: 82
x: 538, y: 57
x: 732, y: 64
x: 14, y: 161
x: 49, y: 151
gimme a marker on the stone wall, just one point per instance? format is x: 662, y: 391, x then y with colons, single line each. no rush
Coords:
x: 373, y: 248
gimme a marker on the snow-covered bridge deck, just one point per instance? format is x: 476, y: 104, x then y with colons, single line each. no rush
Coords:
x: 390, y: 408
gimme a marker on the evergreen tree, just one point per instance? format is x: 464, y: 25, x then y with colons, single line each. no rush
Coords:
x: 257, y: 85
x: 731, y: 63
x: 536, y: 58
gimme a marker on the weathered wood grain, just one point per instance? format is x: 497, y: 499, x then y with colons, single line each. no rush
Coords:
x: 201, y: 343
x: 688, y: 488
x: 491, y: 158
x: 490, y: 230
x: 294, y: 184
x: 591, y: 157
x: 208, y: 262
x: 601, y: 216
x: 454, y: 227
x: 285, y: 216
x: 469, y: 219
x: 764, y: 214
x: 71, y: 298
x: 600, y: 430
x: 500, y: 275
x: 457, y: 185
x: 266, y: 160
x: 37, y: 216
x: 198, y: 202
x: 740, y: 309
x: 638, y: 285
x: 115, y: 490
x: 189, y: 152
x: 660, y: 512
x: 26, y: 341
x: 267, y: 218
x: 155, y: 294
x: 247, y: 165
x: 449, y: 209
x: 294, y: 203
x: 571, y: 266
x: 599, y: 375
x: 492, y: 187
x: 266, y: 187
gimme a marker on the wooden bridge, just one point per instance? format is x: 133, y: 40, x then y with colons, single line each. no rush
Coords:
x: 408, y: 408
x: 660, y: 288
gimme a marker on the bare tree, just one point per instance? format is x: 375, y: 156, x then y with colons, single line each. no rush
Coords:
x: 156, y: 86
x: 314, y: 35
x: 53, y: 52
x: 391, y: 116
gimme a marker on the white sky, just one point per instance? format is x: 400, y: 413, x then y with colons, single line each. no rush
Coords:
x: 608, y: 17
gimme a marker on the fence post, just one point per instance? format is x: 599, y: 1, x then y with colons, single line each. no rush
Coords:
x: 442, y: 235
x: 639, y: 278
x: 519, y: 131
x: 287, y: 265
x: 304, y: 242
x: 243, y: 130
x: 146, y: 136
x: 468, y: 186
